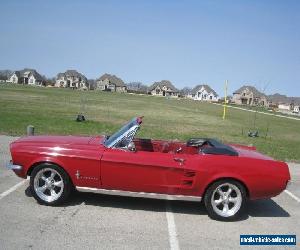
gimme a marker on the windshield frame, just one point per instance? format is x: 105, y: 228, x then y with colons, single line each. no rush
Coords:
x: 131, y: 127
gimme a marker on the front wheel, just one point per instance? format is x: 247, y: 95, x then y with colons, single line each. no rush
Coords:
x: 225, y: 200
x: 49, y: 184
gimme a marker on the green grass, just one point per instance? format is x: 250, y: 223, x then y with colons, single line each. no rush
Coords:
x: 53, y: 111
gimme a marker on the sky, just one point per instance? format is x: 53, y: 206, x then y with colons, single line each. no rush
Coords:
x: 187, y: 42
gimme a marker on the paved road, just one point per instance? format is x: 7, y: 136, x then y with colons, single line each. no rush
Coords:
x: 93, y: 221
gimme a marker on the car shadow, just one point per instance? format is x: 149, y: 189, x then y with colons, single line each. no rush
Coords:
x: 259, y: 208
x: 133, y: 203
x: 266, y: 208
x: 28, y: 192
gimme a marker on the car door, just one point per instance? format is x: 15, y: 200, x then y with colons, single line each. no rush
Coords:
x: 142, y: 171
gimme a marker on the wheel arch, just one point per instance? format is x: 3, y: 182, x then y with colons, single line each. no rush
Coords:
x: 43, y: 162
x: 228, y: 178
x: 30, y: 169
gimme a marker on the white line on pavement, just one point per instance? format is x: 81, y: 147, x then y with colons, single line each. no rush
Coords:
x: 14, y: 188
x: 173, y: 240
x: 292, y: 195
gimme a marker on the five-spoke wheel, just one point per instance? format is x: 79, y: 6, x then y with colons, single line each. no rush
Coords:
x: 225, y: 199
x: 49, y: 184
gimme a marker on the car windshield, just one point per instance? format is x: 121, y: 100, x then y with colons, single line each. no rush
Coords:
x: 110, y: 141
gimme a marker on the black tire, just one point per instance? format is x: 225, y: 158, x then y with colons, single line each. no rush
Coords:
x: 234, y: 210
x: 60, y: 177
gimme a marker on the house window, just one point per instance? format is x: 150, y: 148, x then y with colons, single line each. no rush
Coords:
x: 31, y: 80
x: 210, y: 97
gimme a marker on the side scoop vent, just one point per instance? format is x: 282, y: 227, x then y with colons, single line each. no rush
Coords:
x: 187, y: 182
x: 189, y: 173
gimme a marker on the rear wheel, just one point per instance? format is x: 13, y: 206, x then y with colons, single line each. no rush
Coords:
x: 49, y: 184
x: 225, y: 200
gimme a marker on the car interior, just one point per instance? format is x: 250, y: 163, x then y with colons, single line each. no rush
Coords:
x: 192, y: 146
x: 150, y: 145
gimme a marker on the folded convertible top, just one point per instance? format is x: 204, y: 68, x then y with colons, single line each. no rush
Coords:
x: 216, y: 147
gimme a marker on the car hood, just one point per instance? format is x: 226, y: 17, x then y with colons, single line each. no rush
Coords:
x: 59, y: 140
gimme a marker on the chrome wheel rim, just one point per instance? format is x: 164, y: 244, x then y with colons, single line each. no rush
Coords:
x: 48, y: 184
x: 226, y: 200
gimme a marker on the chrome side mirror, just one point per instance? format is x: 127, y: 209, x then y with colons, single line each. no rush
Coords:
x: 131, y: 147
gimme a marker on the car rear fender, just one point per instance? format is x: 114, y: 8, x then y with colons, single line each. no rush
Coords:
x: 216, y: 178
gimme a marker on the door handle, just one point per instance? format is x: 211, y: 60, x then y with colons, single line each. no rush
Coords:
x: 180, y: 160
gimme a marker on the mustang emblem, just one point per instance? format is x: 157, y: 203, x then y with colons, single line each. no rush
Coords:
x: 78, y: 176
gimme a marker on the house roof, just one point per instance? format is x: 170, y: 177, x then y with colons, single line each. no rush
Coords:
x: 163, y: 83
x: 5, y: 74
x: 17, y: 73
x: 186, y: 91
x: 112, y: 79
x: 3, y: 77
x: 206, y: 87
x: 283, y: 99
x: 252, y: 89
x: 278, y: 98
x: 71, y: 73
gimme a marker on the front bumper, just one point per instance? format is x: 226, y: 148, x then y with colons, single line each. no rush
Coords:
x: 12, y: 166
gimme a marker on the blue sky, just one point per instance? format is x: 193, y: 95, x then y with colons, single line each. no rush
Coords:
x: 186, y: 42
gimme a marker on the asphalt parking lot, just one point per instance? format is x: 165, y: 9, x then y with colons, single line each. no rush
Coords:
x: 93, y: 221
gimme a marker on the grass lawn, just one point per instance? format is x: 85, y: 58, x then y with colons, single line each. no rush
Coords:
x: 53, y: 111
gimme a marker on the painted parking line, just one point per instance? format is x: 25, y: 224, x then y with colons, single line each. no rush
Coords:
x: 292, y: 195
x: 12, y: 189
x: 173, y: 240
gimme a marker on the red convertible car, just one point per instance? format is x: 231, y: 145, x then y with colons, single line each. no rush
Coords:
x: 223, y: 176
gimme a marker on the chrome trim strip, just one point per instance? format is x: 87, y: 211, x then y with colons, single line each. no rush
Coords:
x: 140, y: 194
x: 12, y: 166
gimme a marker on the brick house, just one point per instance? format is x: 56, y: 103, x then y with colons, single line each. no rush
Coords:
x: 71, y: 79
x: 111, y: 83
x: 249, y: 95
x: 163, y: 88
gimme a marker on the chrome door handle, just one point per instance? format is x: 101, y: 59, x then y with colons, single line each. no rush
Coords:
x: 180, y: 160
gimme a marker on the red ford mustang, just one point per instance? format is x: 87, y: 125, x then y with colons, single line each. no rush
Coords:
x: 225, y: 176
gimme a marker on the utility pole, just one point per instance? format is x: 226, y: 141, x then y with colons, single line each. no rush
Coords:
x: 225, y: 100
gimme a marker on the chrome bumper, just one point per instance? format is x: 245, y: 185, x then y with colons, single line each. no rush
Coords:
x: 12, y: 166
